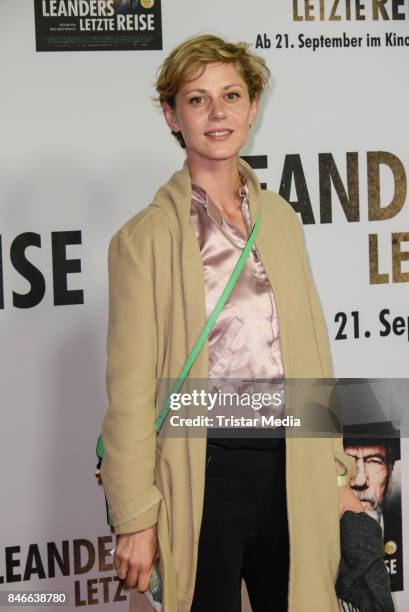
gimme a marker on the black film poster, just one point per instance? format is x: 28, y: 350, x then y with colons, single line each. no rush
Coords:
x: 378, y: 486
x: 98, y: 25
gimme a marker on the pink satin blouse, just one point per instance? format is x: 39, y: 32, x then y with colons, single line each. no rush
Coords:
x: 245, y: 340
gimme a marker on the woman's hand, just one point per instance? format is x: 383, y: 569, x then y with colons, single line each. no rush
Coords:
x: 348, y: 501
x: 134, y: 557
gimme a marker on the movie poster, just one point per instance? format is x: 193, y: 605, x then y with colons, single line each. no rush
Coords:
x: 377, y: 485
x: 98, y: 25
x: 372, y: 430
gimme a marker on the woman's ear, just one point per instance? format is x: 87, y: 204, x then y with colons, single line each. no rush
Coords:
x: 254, y: 104
x: 170, y: 117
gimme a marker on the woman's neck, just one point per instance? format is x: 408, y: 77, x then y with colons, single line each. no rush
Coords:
x: 220, y: 179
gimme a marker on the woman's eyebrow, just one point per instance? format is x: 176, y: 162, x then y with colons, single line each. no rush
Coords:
x: 200, y: 90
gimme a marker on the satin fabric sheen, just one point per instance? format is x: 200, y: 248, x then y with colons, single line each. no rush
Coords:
x: 244, y: 344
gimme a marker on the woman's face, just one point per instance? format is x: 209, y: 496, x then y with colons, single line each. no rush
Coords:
x: 213, y: 113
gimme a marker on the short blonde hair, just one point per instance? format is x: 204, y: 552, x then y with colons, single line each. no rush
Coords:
x: 194, y: 53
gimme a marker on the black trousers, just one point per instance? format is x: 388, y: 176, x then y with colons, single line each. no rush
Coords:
x: 244, y: 531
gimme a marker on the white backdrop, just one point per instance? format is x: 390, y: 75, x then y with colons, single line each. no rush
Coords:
x: 80, y: 154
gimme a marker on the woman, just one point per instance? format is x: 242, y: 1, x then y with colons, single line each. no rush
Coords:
x: 167, y: 494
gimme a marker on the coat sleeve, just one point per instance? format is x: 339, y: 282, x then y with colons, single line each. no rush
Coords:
x: 128, y: 429
x: 342, y: 460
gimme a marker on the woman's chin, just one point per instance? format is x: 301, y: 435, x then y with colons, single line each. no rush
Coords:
x: 220, y: 153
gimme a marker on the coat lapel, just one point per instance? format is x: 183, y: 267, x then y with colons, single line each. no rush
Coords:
x: 271, y: 246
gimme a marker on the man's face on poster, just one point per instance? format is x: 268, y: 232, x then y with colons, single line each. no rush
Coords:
x: 372, y: 476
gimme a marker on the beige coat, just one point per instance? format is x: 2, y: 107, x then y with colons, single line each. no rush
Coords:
x: 156, y: 312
